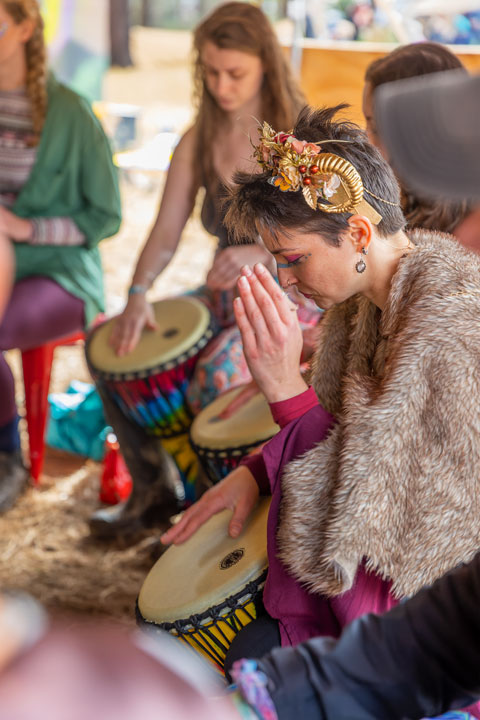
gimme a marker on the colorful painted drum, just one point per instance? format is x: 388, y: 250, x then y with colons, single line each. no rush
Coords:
x: 205, y: 590
x: 149, y: 384
x: 221, y: 444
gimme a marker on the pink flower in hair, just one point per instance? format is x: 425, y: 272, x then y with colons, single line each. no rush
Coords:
x: 302, y: 147
x: 297, y: 145
x: 312, y: 148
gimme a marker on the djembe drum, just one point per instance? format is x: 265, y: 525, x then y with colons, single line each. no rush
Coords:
x: 205, y: 590
x: 221, y: 444
x: 149, y: 384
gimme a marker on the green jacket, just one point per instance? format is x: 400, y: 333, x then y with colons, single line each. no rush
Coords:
x: 73, y: 176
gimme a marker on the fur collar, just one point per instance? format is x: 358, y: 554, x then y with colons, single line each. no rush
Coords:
x: 397, y: 480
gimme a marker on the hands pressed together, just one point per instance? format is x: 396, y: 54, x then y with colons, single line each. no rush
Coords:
x: 271, y: 334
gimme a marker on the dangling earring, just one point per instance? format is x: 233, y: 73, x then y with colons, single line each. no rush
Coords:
x: 361, y: 264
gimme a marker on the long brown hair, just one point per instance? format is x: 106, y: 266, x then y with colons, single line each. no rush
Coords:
x: 411, y: 61
x: 20, y: 10
x: 244, y: 27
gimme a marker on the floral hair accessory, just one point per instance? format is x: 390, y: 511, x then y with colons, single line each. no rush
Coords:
x: 328, y: 182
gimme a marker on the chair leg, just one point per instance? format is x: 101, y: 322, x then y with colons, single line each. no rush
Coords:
x: 37, y: 368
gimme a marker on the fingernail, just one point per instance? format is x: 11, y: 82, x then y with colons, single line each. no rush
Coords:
x: 247, y: 270
x: 234, y: 531
x: 243, y: 282
x: 260, y: 268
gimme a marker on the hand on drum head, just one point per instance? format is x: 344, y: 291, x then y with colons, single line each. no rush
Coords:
x: 228, y: 263
x: 127, y: 328
x: 271, y: 334
x: 238, y: 491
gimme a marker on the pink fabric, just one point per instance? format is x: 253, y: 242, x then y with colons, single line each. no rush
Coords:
x: 285, y: 411
x: 300, y: 613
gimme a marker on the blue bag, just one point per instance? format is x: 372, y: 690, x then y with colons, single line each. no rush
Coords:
x: 77, y: 423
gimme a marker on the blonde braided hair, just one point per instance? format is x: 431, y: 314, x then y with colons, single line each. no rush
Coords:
x: 36, y: 57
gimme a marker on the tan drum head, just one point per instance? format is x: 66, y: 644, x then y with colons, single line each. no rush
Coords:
x: 182, y: 322
x: 250, y: 425
x: 210, y: 567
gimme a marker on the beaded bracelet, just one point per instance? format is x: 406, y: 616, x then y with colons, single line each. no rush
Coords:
x: 137, y: 289
x: 252, y: 684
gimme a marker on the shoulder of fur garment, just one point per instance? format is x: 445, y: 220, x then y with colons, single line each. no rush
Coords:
x: 397, y: 481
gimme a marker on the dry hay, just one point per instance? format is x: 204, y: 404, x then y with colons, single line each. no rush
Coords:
x: 45, y: 547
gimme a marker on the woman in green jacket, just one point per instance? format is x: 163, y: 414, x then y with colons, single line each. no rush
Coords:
x: 58, y: 198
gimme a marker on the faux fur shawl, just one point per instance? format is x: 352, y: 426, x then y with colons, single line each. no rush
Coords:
x: 397, y: 481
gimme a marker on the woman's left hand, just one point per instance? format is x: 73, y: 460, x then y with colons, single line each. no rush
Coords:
x: 228, y: 263
x: 16, y: 228
x: 271, y: 335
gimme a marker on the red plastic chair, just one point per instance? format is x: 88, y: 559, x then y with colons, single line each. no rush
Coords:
x: 37, y: 368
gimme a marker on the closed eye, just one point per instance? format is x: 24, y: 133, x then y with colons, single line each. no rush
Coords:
x: 291, y: 261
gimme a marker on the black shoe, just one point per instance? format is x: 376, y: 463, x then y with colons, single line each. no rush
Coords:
x: 13, y: 479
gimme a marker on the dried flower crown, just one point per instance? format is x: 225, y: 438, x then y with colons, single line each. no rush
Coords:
x: 328, y: 182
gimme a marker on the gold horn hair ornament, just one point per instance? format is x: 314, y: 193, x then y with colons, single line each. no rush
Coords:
x: 328, y: 182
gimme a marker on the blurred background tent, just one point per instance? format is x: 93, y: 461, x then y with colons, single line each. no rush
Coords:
x: 86, y: 36
x: 77, y: 34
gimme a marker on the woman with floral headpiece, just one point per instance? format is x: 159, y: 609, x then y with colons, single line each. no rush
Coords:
x: 58, y: 199
x: 240, y: 74
x: 374, y: 475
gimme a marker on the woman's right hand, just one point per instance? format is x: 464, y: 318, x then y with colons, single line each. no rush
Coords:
x: 238, y: 491
x: 127, y: 328
x: 271, y: 335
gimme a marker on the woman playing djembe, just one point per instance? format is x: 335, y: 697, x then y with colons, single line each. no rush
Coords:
x: 240, y: 75
x: 374, y: 474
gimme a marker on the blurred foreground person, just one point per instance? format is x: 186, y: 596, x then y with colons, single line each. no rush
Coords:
x: 422, y: 657
x: 73, y: 671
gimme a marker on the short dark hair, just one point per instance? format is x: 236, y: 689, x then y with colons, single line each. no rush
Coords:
x: 254, y: 203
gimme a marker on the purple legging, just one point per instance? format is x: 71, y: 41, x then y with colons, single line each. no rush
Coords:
x: 39, y: 310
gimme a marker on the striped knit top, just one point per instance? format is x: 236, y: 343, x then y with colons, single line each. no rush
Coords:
x: 17, y: 158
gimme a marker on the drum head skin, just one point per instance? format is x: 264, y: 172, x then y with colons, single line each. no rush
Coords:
x: 182, y: 322
x: 252, y: 424
x: 210, y: 567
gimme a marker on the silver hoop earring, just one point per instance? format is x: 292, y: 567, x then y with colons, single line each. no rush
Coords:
x: 361, y: 265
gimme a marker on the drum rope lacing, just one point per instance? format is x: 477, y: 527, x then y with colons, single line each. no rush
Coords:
x: 202, y: 623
